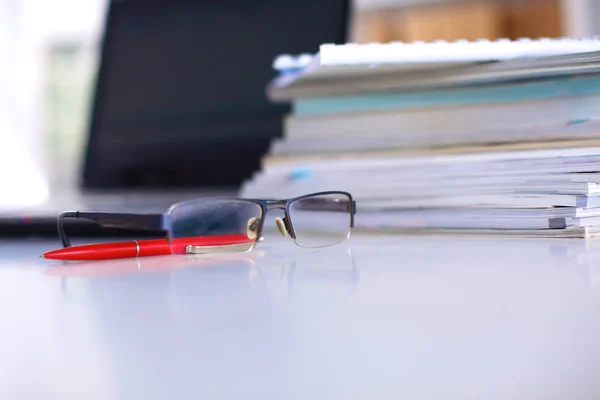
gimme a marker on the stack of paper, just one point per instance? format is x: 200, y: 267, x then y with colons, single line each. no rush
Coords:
x: 500, y: 137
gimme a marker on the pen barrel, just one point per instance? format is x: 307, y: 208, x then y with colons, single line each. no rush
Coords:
x: 90, y: 252
x: 121, y: 250
x: 153, y: 247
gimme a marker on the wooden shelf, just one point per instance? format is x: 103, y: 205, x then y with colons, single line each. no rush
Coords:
x: 468, y: 19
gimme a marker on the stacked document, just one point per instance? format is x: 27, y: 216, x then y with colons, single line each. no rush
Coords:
x: 476, y: 137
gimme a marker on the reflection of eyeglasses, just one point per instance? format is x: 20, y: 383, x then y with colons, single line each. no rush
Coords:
x: 313, y: 220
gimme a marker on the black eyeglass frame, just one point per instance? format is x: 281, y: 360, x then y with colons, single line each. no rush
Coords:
x: 162, y: 222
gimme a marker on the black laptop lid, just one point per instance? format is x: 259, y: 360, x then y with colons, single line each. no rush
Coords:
x: 180, y: 98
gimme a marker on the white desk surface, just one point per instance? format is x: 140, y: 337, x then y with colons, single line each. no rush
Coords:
x: 375, y: 318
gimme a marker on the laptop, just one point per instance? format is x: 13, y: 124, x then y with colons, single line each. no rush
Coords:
x: 179, y: 108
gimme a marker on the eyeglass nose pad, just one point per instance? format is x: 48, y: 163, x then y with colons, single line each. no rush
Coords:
x: 288, y: 227
x: 252, y: 228
x: 281, y: 226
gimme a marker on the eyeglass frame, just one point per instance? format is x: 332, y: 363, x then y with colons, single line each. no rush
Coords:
x: 162, y: 222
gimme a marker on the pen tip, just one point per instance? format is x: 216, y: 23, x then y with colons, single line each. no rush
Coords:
x: 42, y: 256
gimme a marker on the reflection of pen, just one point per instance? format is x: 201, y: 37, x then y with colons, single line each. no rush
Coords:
x: 139, y: 248
x: 170, y: 263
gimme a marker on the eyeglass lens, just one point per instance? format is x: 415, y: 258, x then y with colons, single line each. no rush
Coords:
x: 214, y: 226
x: 321, y: 220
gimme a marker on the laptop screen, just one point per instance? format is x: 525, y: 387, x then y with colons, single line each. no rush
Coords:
x: 180, y: 98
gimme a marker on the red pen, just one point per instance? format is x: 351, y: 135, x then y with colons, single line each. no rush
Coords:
x: 136, y: 248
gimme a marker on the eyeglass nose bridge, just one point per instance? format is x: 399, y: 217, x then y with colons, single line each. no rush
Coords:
x: 275, y: 204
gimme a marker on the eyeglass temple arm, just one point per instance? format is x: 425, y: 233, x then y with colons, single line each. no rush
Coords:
x: 110, y: 220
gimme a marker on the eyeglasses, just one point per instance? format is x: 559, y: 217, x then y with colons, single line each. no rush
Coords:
x: 235, y: 224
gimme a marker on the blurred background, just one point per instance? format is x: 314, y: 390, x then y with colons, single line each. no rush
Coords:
x: 50, y: 57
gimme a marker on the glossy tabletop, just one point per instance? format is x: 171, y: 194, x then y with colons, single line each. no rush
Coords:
x: 379, y: 317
